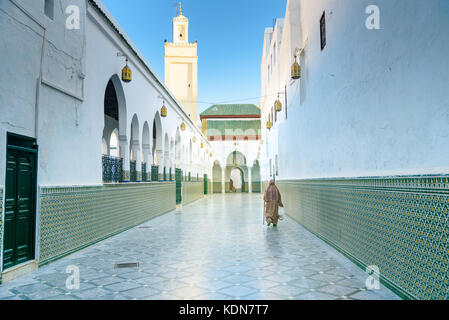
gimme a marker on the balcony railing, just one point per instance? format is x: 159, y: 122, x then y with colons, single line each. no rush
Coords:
x: 112, y: 169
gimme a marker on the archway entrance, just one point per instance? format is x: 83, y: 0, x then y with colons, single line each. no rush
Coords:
x: 237, y: 170
x: 237, y: 181
x: 115, y: 155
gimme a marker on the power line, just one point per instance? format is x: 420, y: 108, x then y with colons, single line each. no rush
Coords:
x: 236, y: 100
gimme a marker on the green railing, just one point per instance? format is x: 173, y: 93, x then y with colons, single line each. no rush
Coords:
x: 178, y: 176
x: 154, y: 173
x: 133, y: 171
x: 144, y: 172
x: 112, y: 169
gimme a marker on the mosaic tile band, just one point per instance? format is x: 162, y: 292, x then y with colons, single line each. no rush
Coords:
x: 1, y: 233
x: 399, y: 224
x: 192, y: 191
x: 72, y: 218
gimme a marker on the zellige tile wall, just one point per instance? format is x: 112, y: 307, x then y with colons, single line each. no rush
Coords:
x: 72, y: 218
x: 399, y: 224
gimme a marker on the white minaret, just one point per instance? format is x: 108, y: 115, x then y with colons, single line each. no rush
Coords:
x: 181, y: 66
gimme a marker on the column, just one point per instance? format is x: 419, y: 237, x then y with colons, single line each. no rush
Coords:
x: 138, y: 157
x: 223, y: 182
x: 124, y: 154
x: 160, y: 162
x: 250, y: 182
x: 148, y: 160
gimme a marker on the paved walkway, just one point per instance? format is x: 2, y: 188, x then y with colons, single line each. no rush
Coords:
x: 216, y: 248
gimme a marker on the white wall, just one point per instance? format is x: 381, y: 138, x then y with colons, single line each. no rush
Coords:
x: 77, y: 65
x: 374, y: 102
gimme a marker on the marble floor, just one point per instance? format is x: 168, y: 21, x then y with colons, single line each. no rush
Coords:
x: 213, y: 249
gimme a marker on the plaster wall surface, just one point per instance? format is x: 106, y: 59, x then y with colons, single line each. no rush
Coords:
x: 372, y: 103
x: 53, y: 90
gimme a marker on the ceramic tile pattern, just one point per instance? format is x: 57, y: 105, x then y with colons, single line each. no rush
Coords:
x: 192, y: 191
x: 398, y: 224
x: 74, y: 217
x: 215, y: 248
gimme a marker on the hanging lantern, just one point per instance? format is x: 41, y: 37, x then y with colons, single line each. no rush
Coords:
x: 202, y: 145
x: 296, y: 70
x: 211, y: 155
x: 183, y: 126
x: 278, y: 105
x: 269, y: 124
x: 126, y: 73
x: 164, y: 111
x: 194, y: 139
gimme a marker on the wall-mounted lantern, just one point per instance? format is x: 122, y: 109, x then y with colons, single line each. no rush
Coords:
x: 278, y: 105
x: 183, y: 126
x: 269, y: 125
x: 126, y: 71
x: 163, y: 110
x: 194, y: 139
x: 296, y: 70
x: 202, y: 145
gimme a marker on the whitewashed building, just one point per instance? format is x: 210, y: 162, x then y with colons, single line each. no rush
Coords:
x: 234, y: 132
x: 360, y: 145
x: 83, y: 153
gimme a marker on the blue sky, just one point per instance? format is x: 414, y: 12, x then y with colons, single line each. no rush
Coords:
x: 230, y: 38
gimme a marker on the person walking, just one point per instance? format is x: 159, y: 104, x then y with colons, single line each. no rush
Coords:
x: 231, y: 186
x: 273, y: 201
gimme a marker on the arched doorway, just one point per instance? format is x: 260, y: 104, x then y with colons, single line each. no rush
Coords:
x: 236, y: 161
x: 115, y: 155
x: 157, y: 150
x: 237, y: 181
x: 135, y: 153
x: 146, y: 153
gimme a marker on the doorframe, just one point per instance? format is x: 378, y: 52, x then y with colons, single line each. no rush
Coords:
x: 22, y: 143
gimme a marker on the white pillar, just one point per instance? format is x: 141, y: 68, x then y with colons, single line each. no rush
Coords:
x: 124, y: 154
x: 250, y: 185
x: 138, y: 155
x: 223, y: 182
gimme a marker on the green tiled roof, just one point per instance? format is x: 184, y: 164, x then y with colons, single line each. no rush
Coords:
x: 231, y: 109
x: 233, y: 127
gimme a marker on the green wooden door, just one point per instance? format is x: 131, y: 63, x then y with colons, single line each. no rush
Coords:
x: 178, y: 176
x: 205, y: 184
x: 20, y: 189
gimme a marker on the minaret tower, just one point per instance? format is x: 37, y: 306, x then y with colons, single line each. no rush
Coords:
x: 181, y: 66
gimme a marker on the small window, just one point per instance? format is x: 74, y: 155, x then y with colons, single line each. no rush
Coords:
x: 323, y: 30
x: 49, y: 8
